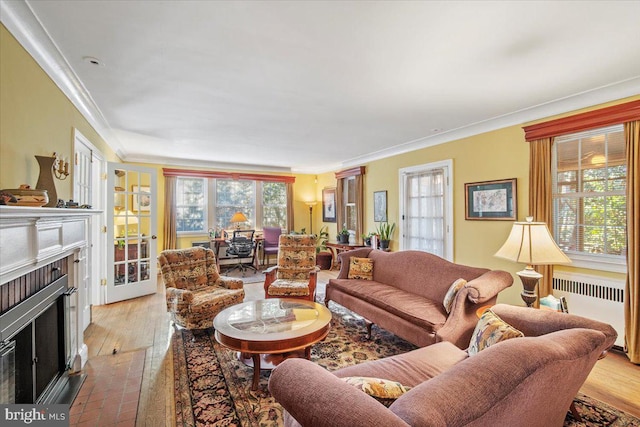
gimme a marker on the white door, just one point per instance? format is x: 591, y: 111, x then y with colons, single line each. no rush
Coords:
x: 426, y: 209
x: 132, y: 232
x: 88, y: 189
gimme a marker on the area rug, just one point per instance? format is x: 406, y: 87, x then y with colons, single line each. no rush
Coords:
x: 248, y: 276
x: 213, y: 388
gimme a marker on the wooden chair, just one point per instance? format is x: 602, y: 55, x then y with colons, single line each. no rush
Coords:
x: 195, y: 291
x: 295, y: 274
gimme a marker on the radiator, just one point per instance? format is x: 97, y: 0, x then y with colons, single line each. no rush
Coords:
x: 597, y: 298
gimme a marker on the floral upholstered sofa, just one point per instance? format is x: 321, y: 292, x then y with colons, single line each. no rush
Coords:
x: 416, y: 295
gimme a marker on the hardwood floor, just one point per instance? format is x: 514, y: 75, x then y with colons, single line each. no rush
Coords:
x: 143, y: 323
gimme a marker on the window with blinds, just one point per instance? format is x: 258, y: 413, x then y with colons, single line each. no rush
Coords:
x: 589, y: 202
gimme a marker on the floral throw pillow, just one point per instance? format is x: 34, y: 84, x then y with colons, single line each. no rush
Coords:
x: 452, y: 292
x: 384, y: 391
x: 360, y: 268
x: 490, y: 330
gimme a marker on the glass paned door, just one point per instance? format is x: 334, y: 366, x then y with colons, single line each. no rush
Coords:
x: 132, y: 229
x: 426, y: 209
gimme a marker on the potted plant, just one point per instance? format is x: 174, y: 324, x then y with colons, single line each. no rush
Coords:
x: 323, y: 255
x: 343, y: 235
x: 385, y: 231
x: 366, y: 239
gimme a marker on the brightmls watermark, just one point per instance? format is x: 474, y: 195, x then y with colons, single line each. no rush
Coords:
x: 34, y: 415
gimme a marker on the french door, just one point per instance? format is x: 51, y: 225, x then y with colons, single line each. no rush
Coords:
x: 426, y: 210
x: 132, y: 232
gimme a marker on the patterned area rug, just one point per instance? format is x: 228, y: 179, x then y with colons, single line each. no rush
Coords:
x: 214, y: 388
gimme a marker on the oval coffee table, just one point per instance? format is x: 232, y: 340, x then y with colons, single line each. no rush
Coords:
x: 265, y: 332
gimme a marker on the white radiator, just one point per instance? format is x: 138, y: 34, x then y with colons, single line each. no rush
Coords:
x: 598, y: 298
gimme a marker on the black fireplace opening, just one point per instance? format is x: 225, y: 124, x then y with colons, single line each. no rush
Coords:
x: 39, y: 353
x: 38, y: 337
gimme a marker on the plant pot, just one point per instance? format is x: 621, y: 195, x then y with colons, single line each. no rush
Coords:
x: 323, y: 260
x: 343, y: 238
x: 384, y: 244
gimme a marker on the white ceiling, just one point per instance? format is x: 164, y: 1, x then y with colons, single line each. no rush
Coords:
x: 317, y: 86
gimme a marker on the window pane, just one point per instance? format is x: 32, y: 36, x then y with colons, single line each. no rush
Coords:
x: 234, y: 196
x: 190, y: 204
x: 274, y: 204
x: 590, y: 184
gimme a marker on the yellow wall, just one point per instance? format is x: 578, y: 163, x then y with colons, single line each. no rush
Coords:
x: 36, y: 118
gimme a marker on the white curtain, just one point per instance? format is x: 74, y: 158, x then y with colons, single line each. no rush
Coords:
x: 424, y: 211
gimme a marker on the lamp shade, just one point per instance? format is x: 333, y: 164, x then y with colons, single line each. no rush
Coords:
x: 531, y: 243
x: 239, y: 217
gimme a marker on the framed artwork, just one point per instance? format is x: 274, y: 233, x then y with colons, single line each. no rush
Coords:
x: 380, y: 206
x: 141, y: 201
x: 491, y: 200
x: 329, y: 205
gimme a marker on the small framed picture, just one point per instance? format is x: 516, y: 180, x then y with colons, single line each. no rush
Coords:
x: 329, y: 205
x: 141, y: 198
x: 380, y: 206
x: 491, y: 200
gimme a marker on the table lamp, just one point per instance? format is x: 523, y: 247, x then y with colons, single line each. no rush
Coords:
x: 531, y: 243
x: 237, y: 218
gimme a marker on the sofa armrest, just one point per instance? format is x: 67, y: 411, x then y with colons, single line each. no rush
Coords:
x: 486, y: 287
x: 345, y: 260
x: 462, y: 319
x: 316, y: 397
x: 229, y: 282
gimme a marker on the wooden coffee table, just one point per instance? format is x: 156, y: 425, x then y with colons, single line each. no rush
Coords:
x: 265, y: 332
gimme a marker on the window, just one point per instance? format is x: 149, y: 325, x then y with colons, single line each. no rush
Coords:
x: 204, y: 203
x: 191, y: 205
x: 426, y: 209
x: 231, y: 197
x: 589, y: 195
x: 350, y: 210
x: 274, y: 204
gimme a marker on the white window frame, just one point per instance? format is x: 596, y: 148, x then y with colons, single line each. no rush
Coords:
x: 447, y: 166
x: 603, y: 262
x: 206, y: 209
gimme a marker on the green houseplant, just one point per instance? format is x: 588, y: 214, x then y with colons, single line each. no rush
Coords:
x: 323, y: 255
x: 343, y: 235
x: 385, y: 231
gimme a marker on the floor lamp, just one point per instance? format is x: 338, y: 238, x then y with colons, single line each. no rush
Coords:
x: 311, y: 205
x: 531, y: 243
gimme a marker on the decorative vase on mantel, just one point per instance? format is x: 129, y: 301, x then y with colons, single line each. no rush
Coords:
x: 45, y: 179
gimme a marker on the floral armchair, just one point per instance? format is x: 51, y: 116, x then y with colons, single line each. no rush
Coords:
x: 195, y: 291
x: 295, y: 274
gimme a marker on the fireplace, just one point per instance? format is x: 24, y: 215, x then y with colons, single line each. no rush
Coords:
x: 37, y: 333
x: 42, y: 314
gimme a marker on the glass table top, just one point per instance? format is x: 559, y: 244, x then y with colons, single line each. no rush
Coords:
x: 272, y: 319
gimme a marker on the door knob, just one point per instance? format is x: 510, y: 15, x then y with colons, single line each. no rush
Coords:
x: 154, y: 237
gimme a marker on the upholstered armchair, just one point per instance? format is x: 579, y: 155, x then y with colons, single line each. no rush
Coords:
x: 295, y: 274
x: 195, y: 291
x: 271, y: 236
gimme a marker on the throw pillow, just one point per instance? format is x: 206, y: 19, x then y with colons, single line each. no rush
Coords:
x: 452, y: 292
x: 360, y: 268
x: 490, y: 330
x: 384, y: 391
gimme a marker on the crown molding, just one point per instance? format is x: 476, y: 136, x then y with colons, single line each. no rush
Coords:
x: 18, y: 17
x: 174, y: 162
x: 590, y: 98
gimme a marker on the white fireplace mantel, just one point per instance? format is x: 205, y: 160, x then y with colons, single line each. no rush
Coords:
x: 34, y: 237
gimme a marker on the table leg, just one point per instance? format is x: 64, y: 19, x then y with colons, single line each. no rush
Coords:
x: 256, y: 370
x: 307, y: 353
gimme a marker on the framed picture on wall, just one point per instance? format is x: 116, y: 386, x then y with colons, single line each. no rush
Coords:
x: 491, y: 200
x: 329, y: 205
x: 380, y: 206
x: 141, y: 200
